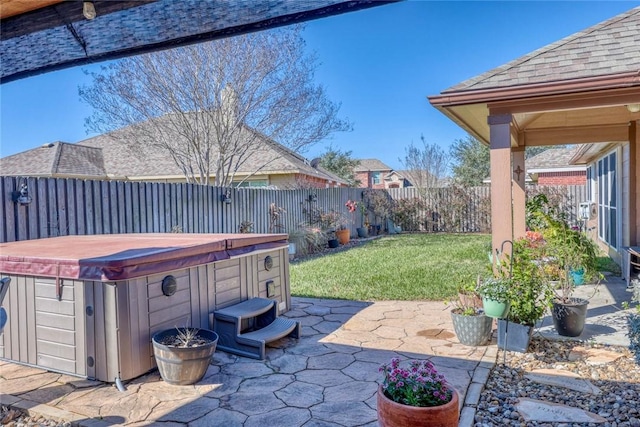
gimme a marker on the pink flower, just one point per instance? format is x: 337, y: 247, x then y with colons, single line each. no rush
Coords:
x: 417, y: 385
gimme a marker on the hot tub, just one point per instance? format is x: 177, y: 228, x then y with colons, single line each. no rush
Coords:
x: 89, y: 305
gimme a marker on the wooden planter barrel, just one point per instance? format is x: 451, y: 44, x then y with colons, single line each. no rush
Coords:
x: 183, y: 365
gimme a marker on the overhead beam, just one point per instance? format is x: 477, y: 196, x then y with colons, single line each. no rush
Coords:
x: 57, y: 15
x: 10, y: 8
x: 575, y: 135
x: 569, y: 101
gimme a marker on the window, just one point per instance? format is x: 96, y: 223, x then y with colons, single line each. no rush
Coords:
x: 256, y: 183
x: 375, y: 178
x: 608, y: 199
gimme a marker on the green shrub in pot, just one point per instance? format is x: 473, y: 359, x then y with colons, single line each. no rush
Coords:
x: 531, y: 293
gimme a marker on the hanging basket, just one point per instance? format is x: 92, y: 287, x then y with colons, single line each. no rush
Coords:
x: 493, y: 308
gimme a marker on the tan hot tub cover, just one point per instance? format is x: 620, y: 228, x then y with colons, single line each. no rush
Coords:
x: 109, y: 257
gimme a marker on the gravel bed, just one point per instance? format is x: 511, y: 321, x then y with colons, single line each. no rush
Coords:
x: 16, y: 418
x: 619, y: 381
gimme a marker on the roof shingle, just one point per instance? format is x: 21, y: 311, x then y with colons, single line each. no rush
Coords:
x: 588, y: 53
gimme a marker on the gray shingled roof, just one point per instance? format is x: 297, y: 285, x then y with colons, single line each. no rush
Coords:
x: 610, y: 47
x: 120, y: 156
x: 55, y: 159
x: 554, y: 158
x: 371, y: 165
x: 125, y: 157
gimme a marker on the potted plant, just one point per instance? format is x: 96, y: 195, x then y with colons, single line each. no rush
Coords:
x: 530, y: 295
x: 496, y: 296
x: 470, y: 323
x: 183, y: 354
x: 352, y: 206
x: 570, y: 256
x: 380, y: 205
x: 416, y: 395
x: 336, y: 223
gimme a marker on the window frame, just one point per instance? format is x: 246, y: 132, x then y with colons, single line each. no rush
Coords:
x: 608, y: 174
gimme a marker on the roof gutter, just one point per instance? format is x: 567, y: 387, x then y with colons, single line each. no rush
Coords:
x: 471, y: 96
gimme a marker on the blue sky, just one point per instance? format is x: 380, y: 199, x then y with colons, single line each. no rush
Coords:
x: 379, y: 63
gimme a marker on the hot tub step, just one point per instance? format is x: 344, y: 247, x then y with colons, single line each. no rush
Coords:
x: 245, y: 328
x: 280, y: 328
x: 253, y: 307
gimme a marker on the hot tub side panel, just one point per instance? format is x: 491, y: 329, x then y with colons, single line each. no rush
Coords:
x: 129, y: 312
x: 229, y: 285
x: 43, y: 329
x: 271, y: 282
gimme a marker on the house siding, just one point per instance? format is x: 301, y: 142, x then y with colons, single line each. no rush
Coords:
x: 364, y: 178
x: 562, y: 178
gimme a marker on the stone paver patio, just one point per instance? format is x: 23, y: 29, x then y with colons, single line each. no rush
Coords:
x: 328, y: 377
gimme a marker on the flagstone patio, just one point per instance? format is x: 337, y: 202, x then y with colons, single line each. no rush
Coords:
x: 328, y: 377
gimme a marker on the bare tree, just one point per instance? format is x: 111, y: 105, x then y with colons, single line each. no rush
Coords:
x: 425, y: 166
x: 211, y: 105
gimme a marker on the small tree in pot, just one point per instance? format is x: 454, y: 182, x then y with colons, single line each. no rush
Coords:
x: 568, y: 254
x: 530, y: 296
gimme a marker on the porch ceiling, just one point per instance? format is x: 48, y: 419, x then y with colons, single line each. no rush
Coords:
x: 570, y: 118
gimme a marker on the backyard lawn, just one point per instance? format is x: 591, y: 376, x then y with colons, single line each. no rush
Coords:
x: 400, y: 267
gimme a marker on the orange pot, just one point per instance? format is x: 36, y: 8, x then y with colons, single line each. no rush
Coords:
x: 343, y: 236
x: 392, y: 414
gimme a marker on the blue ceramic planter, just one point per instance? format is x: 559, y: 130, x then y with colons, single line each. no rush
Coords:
x: 577, y: 276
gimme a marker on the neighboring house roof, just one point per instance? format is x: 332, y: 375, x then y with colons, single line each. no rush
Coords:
x: 554, y: 159
x: 117, y: 155
x: 588, y: 53
x: 551, y: 160
x: 371, y: 165
x: 127, y: 158
x: 55, y: 159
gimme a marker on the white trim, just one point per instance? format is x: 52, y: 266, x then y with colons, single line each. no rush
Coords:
x: 567, y: 169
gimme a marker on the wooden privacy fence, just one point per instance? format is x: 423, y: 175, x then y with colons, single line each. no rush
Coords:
x: 453, y: 209
x: 82, y: 207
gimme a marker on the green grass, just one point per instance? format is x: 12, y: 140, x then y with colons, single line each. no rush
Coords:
x: 607, y: 264
x: 402, y: 267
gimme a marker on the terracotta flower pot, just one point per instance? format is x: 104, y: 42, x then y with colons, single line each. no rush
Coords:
x: 343, y: 236
x: 392, y: 414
